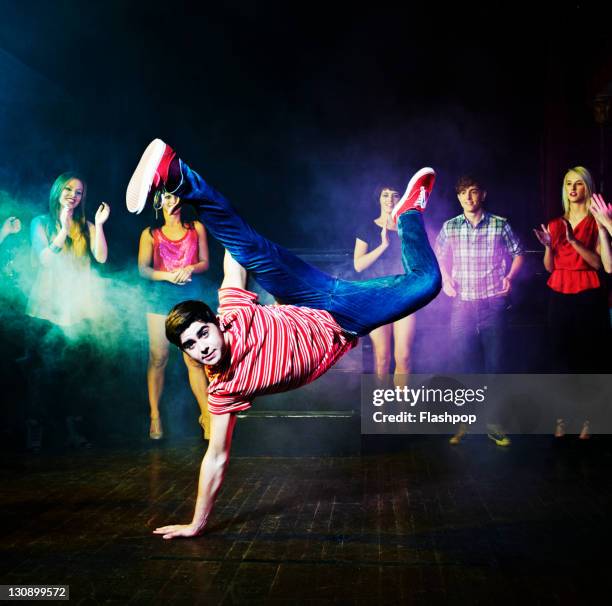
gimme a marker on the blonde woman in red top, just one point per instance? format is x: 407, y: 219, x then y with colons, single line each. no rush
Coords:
x: 577, y: 313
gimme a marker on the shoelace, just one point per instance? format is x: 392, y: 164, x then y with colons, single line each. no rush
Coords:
x: 421, y: 200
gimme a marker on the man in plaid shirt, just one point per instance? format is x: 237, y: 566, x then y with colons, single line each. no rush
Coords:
x: 479, y: 258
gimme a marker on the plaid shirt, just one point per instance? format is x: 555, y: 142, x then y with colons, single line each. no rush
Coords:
x: 480, y: 255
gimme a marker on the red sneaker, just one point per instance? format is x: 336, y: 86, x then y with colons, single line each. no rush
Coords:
x: 151, y: 172
x: 417, y: 193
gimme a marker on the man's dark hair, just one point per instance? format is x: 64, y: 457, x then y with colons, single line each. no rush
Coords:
x: 183, y: 315
x: 465, y: 181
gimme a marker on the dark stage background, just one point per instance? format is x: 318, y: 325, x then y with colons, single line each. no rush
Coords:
x: 297, y: 112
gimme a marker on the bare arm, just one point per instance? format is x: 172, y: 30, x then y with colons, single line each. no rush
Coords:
x: 98, y: 246
x: 43, y: 250
x: 234, y: 275
x: 602, y: 212
x: 449, y: 286
x: 202, y: 265
x: 603, y: 215
x: 590, y: 256
x: 12, y: 225
x: 605, y: 249
x: 545, y: 238
x: 183, y: 274
x: 362, y: 259
x: 548, y: 259
x: 517, y: 263
x: 145, y: 260
x: 212, y: 471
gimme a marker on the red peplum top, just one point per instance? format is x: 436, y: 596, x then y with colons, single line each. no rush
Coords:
x: 571, y: 273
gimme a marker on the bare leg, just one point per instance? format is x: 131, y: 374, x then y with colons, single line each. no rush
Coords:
x: 403, y: 337
x: 158, y: 360
x: 381, y: 342
x: 199, y: 386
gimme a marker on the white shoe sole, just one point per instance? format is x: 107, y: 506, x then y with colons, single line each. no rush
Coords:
x: 420, y: 173
x: 142, y: 179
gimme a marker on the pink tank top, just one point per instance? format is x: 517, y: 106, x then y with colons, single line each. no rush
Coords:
x: 169, y: 255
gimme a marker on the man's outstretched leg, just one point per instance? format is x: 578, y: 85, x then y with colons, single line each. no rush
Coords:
x: 362, y: 306
x: 358, y: 307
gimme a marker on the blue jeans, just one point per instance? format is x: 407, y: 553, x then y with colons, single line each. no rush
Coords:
x: 478, y: 334
x: 357, y: 306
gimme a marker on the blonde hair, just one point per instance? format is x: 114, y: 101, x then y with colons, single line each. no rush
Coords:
x: 587, y: 178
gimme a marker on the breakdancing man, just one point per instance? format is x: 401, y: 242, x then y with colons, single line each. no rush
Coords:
x: 251, y: 349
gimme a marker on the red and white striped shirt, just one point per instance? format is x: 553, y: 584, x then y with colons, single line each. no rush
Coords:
x: 273, y: 348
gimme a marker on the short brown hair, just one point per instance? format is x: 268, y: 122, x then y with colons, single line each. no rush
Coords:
x: 465, y: 181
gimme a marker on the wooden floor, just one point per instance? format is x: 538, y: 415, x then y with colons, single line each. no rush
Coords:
x: 432, y: 524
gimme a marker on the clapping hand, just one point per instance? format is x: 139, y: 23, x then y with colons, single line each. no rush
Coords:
x: 65, y: 218
x: 183, y: 275
x: 384, y: 236
x: 569, y: 232
x: 602, y: 212
x: 102, y: 213
x: 12, y: 225
x: 180, y: 276
x: 543, y: 235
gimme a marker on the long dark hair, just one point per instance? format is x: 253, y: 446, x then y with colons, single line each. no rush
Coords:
x: 158, y: 221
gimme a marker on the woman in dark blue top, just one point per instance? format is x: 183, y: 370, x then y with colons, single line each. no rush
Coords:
x: 378, y: 253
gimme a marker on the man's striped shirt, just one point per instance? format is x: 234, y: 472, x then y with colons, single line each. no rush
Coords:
x: 273, y: 348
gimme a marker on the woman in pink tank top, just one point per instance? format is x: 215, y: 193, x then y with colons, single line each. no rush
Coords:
x: 171, y: 257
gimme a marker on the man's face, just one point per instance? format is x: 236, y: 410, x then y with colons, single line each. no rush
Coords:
x: 472, y: 198
x: 203, y: 341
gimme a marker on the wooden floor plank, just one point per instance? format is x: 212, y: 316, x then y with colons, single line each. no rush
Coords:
x: 431, y: 524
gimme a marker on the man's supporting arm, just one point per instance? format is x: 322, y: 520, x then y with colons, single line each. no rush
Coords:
x: 212, y: 471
